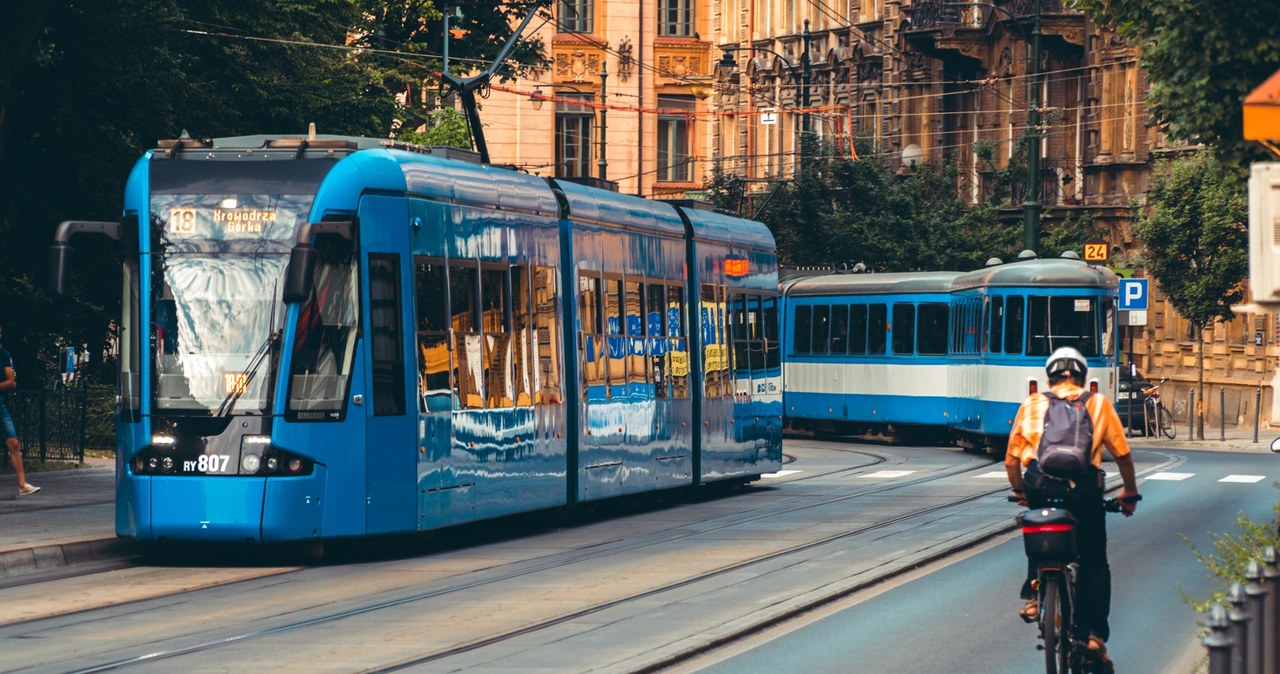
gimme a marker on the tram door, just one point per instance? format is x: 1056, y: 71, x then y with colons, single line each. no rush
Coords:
x: 390, y: 431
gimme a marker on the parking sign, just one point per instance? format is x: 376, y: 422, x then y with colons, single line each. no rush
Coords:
x: 1133, y: 294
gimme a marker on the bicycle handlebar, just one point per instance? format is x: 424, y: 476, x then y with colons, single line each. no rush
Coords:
x: 1111, y: 505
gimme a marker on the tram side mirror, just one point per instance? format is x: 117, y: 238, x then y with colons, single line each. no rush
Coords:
x: 59, y: 263
x: 299, y: 274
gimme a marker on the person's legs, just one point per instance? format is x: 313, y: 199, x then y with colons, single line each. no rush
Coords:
x: 1093, y: 585
x: 15, y: 460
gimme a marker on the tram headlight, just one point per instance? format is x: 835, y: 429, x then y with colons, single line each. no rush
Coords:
x: 153, y: 463
x: 250, y: 463
x: 166, y: 464
x: 295, y: 466
x: 273, y: 464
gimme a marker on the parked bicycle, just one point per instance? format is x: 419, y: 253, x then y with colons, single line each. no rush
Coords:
x: 1049, y: 536
x: 1159, y: 418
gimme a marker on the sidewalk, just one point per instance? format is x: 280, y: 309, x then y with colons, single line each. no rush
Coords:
x: 71, y: 520
x: 1237, y: 440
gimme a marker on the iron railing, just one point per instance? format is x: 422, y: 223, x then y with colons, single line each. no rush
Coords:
x: 1244, y: 633
x: 50, y: 423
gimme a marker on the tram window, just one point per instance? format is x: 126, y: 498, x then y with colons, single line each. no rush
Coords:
x: 636, y: 353
x: 839, y: 329
x: 1107, y: 315
x: 678, y: 351
x: 130, y: 350
x: 468, y: 381
x: 904, y: 326
x: 592, y: 337
x: 742, y: 316
x: 858, y: 329
x: 546, y: 341
x: 772, y: 349
x: 655, y: 341
x: 821, y: 329
x: 325, y: 338
x: 495, y: 318
x: 521, y: 377
x: 1054, y: 322
x: 1013, y: 321
x: 932, y: 334
x: 386, y: 343
x: 877, y: 329
x: 714, y: 353
x: 996, y: 324
x: 803, y: 329
x: 432, y: 301
x: 615, y: 339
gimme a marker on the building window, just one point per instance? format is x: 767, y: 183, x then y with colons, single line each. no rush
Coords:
x: 675, y: 18
x: 573, y: 135
x: 674, y: 131
x: 575, y: 16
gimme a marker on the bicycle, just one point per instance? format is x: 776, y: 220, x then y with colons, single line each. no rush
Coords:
x: 1159, y: 420
x: 1049, y: 537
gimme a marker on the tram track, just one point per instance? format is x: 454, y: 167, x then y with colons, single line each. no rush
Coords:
x: 597, y: 552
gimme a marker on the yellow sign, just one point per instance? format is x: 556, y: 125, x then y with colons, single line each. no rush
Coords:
x: 1096, y: 251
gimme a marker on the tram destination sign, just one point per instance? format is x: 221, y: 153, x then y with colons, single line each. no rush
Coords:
x: 1096, y: 251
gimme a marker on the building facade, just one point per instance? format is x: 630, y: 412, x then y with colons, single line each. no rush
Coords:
x: 655, y: 94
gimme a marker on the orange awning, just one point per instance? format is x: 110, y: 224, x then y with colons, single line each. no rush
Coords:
x: 1262, y: 112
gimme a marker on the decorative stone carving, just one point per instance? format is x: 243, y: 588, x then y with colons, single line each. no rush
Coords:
x: 576, y: 65
x: 625, y: 60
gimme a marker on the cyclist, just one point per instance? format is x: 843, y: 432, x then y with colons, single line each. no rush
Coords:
x: 1067, y: 369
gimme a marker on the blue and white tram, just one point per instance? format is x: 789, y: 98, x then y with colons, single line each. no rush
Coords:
x: 941, y: 355
x: 455, y: 342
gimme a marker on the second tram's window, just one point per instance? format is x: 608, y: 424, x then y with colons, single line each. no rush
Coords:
x: 655, y: 331
x: 877, y: 329
x: 1013, y: 322
x: 931, y: 337
x: 904, y: 328
x: 858, y: 329
x: 1108, y: 318
x: 996, y: 322
x: 803, y: 329
x: 495, y: 317
x: 821, y: 329
x: 615, y: 342
x: 521, y: 336
x: 839, y: 330
x: 637, y: 360
x: 386, y: 342
x: 591, y: 337
x: 1054, y: 322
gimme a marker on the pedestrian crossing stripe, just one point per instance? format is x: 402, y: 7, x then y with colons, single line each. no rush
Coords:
x: 781, y: 473
x: 995, y: 474
x: 886, y: 474
x: 1175, y: 477
x: 1246, y: 479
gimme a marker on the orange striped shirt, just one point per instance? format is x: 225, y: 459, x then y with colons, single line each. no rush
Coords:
x: 1028, y: 426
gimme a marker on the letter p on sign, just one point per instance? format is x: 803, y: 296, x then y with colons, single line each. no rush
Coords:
x: 1133, y: 294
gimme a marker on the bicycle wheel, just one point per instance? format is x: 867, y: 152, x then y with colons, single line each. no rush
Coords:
x: 1166, y: 422
x: 1053, y: 626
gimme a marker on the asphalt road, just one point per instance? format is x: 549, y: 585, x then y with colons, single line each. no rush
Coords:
x: 961, y: 616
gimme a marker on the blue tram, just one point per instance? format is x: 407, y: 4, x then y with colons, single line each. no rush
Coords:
x: 332, y: 337
x: 940, y: 354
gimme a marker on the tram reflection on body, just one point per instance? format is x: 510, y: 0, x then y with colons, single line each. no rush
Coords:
x: 455, y: 342
x: 939, y: 356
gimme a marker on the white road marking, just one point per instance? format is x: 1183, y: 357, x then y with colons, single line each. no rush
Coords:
x: 993, y: 475
x: 1246, y: 479
x: 1176, y: 477
x: 888, y: 474
x: 781, y: 473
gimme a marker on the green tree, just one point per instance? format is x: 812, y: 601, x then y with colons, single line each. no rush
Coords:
x: 1201, y: 59
x: 1196, y: 240
x: 443, y: 126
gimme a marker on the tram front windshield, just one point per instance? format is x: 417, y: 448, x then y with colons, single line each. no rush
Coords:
x: 217, y: 268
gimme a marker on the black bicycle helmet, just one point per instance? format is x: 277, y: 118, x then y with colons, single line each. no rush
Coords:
x: 1067, y: 360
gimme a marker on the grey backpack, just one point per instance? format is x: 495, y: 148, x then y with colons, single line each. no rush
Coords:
x: 1067, y: 442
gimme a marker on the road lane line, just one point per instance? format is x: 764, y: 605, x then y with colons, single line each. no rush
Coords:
x: 993, y: 475
x: 1244, y: 479
x: 888, y: 474
x: 781, y: 473
x: 1176, y: 477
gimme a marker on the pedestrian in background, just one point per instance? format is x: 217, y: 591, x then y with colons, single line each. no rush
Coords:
x: 10, y: 434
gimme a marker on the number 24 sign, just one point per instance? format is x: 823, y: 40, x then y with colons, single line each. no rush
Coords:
x: 1096, y: 251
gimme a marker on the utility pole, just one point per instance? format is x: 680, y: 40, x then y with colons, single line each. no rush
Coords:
x: 602, y: 163
x: 1031, y: 207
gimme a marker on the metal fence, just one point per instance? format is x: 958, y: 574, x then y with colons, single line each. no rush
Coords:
x: 50, y: 423
x: 1244, y: 634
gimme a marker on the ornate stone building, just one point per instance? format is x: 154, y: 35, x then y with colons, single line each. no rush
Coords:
x: 692, y: 83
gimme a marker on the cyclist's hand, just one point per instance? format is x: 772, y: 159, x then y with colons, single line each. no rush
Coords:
x: 1019, y: 498
x: 1128, y: 501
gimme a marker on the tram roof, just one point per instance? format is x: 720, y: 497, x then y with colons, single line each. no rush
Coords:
x: 868, y: 284
x: 442, y: 178
x: 726, y: 229
x: 1056, y: 271
x: 603, y: 206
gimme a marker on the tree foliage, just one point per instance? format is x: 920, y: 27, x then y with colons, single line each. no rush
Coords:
x: 87, y: 86
x: 1196, y: 237
x: 1201, y: 60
